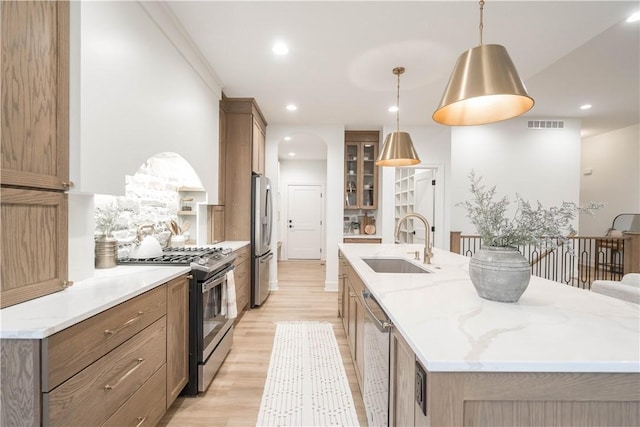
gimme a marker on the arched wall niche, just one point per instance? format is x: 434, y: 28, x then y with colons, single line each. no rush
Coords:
x: 156, y: 194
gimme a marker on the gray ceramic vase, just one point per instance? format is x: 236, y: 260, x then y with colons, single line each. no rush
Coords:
x: 499, y: 273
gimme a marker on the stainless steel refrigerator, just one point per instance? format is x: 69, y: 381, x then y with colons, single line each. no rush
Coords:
x: 261, y: 232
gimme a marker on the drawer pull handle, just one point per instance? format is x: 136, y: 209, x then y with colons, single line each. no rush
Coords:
x: 138, y: 361
x: 141, y: 420
x: 124, y: 325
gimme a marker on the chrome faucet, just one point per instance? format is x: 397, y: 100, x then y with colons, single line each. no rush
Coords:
x: 427, y: 249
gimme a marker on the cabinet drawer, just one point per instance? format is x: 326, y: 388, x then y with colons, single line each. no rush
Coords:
x: 91, y: 396
x: 242, y: 255
x: 361, y: 240
x: 76, y: 347
x: 145, y: 407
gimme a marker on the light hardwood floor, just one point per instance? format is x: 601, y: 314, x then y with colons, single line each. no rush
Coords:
x: 233, y: 399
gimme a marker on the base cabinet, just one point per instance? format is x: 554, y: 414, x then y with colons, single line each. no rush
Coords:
x: 401, y: 382
x: 241, y: 276
x: 121, y: 367
x: 177, y: 337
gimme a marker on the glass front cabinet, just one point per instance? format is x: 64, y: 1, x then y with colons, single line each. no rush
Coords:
x: 361, y: 172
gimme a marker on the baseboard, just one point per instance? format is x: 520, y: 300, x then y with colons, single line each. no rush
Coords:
x: 330, y: 286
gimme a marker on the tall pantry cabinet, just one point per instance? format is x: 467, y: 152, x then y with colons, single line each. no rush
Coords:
x: 244, y: 150
x: 35, y: 148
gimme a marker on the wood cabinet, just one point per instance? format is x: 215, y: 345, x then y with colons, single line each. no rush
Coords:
x: 215, y: 224
x: 123, y: 366
x: 244, y: 133
x: 361, y: 240
x: 401, y: 381
x: 360, y: 170
x: 92, y: 395
x: 35, y: 148
x: 241, y: 275
x: 353, y: 318
x: 258, y: 147
x: 34, y: 244
x: 177, y: 337
x: 35, y: 94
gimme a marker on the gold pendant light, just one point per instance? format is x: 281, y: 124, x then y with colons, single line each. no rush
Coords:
x: 484, y: 87
x: 398, y: 148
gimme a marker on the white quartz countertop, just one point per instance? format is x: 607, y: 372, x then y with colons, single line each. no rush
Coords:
x: 552, y: 328
x: 44, y: 316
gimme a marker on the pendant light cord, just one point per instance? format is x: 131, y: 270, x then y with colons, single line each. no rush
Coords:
x: 398, y: 106
x: 481, y: 19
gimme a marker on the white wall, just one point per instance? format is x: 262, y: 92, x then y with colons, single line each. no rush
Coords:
x: 298, y: 172
x: 433, y: 145
x: 138, y: 97
x: 539, y: 164
x: 135, y: 90
x: 333, y: 137
x: 614, y: 161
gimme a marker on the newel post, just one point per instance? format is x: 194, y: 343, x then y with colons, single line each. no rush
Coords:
x: 454, y: 241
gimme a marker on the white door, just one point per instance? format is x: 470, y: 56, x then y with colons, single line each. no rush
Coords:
x: 424, y: 202
x: 304, y: 221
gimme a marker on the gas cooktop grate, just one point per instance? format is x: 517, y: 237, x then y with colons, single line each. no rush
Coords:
x: 175, y: 256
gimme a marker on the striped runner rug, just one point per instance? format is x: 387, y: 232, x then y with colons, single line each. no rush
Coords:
x: 306, y: 383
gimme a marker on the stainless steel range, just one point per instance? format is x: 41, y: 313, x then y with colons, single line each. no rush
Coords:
x: 210, y: 330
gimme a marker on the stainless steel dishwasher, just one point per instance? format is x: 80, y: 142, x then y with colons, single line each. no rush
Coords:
x: 377, y: 328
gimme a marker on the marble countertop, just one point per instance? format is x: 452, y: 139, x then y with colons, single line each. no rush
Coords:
x: 552, y: 328
x: 44, y: 316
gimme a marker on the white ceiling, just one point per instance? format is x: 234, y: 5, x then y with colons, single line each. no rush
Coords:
x: 338, y: 70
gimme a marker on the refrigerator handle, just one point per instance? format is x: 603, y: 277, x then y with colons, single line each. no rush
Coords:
x: 266, y: 258
x: 269, y: 212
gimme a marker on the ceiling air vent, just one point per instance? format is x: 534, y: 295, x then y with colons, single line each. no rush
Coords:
x: 545, y: 124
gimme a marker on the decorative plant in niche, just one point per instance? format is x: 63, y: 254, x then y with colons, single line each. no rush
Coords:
x: 106, y: 218
x: 529, y: 225
x: 498, y: 271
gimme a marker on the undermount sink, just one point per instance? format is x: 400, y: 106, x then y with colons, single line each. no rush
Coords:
x: 393, y: 265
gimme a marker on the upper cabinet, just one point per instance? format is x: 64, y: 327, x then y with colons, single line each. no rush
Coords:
x: 361, y: 172
x: 35, y: 148
x: 243, y: 145
x: 35, y: 94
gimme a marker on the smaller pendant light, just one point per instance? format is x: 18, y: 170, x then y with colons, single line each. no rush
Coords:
x: 484, y: 87
x: 398, y: 148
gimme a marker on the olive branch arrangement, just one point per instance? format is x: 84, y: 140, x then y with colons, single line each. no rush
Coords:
x: 529, y: 225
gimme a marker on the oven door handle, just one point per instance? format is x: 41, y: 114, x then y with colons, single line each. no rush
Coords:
x: 215, y: 281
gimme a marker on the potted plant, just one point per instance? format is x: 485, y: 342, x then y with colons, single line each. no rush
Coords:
x: 498, y: 271
x: 106, y: 249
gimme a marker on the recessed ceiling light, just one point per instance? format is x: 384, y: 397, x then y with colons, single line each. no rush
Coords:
x: 287, y: 138
x: 292, y: 154
x: 585, y: 106
x: 291, y: 107
x: 393, y: 109
x: 634, y: 18
x: 280, y: 48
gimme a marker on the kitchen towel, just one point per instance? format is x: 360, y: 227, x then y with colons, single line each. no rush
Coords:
x: 306, y: 382
x: 229, y: 306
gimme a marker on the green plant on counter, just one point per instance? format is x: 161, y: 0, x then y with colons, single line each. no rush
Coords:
x: 530, y: 225
x: 106, y: 218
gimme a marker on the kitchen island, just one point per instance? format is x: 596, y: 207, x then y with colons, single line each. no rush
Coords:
x: 560, y: 355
